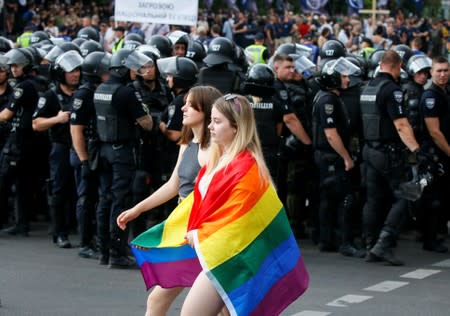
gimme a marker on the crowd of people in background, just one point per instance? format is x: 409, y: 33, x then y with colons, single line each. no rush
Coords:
x: 155, y: 65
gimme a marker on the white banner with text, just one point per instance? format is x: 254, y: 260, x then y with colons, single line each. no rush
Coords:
x: 177, y: 12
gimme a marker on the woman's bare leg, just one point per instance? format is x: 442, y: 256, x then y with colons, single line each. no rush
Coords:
x: 202, y: 299
x: 160, y: 299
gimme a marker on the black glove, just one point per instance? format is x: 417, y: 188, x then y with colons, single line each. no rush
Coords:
x: 85, y: 169
x: 425, y: 161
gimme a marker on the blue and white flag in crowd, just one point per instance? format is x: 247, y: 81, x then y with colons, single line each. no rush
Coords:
x: 315, y: 6
x: 355, y: 5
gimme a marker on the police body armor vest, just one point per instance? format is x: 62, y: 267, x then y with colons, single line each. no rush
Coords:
x: 224, y: 80
x: 319, y: 139
x: 265, y: 124
x: 111, y: 127
x: 298, y: 94
x: 90, y: 132
x: 413, y: 93
x: 60, y: 133
x: 375, y: 127
x: 444, y: 122
x: 22, y: 120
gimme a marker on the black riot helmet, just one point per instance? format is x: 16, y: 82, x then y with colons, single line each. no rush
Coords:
x: 21, y: 57
x: 4, y: 63
x: 162, y: 43
x: 178, y: 37
x: 332, y: 49
x: 37, y: 53
x: 374, y: 62
x: 5, y: 45
x: 95, y: 65
x: 90, y: 46
x: 131, y: 44
x: 125, y: 60
x: 149, y: 51
x: 259, y: 81
x: 67, y: 62
x: 183, y: 70
x: 61, y: 49
x: 38, y: 37
x: 220, y: 51
x: 240, y: 60
x: 134, y: 37
x: 330, y: 75
x: 418, y: 63
x: 405, y: 52
x: 357, y: 78
x: 294, y: 50
x: 89, y: 33
x: 79, y: 41
x: 196, y: 52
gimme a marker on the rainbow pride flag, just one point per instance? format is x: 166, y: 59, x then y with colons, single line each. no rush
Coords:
x: 243, y: 242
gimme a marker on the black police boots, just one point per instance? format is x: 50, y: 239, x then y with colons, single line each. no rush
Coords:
x: 382, y: 250
x: 118, y: 260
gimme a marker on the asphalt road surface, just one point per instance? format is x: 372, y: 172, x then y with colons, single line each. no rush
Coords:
x: 37, y: 278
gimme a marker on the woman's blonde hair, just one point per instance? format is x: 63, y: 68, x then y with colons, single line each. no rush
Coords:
x: 239, y: 113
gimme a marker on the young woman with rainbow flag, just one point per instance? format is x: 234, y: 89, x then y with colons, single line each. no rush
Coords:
x: 193, y: 154
x: 230, y: 239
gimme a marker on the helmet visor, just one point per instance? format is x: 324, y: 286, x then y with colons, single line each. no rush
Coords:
x: 303, y: 64
x: 419, y: 64
x: 53, y: 54
x: 69, y: 61
x: 3, y: 63
x: 301, y: 50
x: 167, y: 66
x: 342, y: 66
x: 135, y: 61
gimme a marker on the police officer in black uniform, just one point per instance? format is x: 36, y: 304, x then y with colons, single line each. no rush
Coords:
x: 117, y: 109
x: 16, y: 158
x: 84, y: 154
x: 217, y: 73
x: 331, y: 137
x: 5, y: 96
x: 418, y: 68
x: 284, y: 68
x: 435, y: 107
x: 181, y: 75
x: 386, y: 133
x: 268, y: 114
x: 52, y: 114
x: 156, y: 97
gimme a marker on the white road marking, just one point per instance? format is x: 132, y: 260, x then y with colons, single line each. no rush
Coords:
x: 442, y: 264
x: 349, y: 299
x: 386, y: 286
x: 420, y: 274
x: 312, y: 313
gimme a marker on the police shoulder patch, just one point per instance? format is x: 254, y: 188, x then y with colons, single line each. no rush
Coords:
x: 77, y: 103
x: 41, y: 102
x: 283, y: 94
x: 18, y: 93
x: 329, y: 108
x: 429, y: 103
x: 398, y: 96
x: 171, y: 110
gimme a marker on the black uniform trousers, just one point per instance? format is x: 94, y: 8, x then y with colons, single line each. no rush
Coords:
x: 61, y: 189
x: 335, y: 200
x: 117, y: 169
x: 385, y: 171
x: 86, y: 202
x: 16, y: 165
